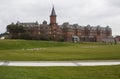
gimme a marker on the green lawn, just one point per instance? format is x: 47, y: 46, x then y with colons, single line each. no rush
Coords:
x: 22, y: 50
x: 102, y: 72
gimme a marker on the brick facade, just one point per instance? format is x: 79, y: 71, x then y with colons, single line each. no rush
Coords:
x: 66, y: 31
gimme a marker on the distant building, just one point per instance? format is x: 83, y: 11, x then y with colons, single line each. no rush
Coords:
x: 117, y: 38
x: 109, y: 39
x: 4, y: 36
x: 66, y: 31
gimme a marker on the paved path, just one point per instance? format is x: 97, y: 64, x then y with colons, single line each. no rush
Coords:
x: 58, y: 63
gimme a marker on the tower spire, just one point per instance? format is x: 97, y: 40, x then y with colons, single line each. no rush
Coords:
x: 53, y: 17
x: 53, y: 11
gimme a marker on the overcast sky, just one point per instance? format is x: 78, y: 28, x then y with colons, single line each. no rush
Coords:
x: 83, y: 12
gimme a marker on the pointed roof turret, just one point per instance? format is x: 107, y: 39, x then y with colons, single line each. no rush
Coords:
x: 53, y: 12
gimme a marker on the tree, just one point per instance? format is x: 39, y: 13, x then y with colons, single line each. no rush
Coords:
x: 15, y: 30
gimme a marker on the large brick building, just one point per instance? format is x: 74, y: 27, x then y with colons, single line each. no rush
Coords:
x: 66, y: 31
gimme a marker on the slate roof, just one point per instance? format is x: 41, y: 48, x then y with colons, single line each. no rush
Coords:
x: 29, y: 24
x: 53, y: 12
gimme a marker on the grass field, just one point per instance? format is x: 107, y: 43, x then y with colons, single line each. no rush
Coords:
x: 103, y: 72
x: 24, y: 50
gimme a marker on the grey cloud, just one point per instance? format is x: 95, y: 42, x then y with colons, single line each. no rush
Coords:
x: 94, y: 12
x: 115, y: 3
